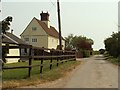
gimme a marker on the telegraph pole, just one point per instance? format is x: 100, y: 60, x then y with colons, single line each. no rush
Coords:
x: 59, y: 25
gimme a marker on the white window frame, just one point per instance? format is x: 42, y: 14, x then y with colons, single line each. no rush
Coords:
x: 34, y: 39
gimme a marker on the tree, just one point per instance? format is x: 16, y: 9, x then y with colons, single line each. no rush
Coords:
x: 5, y: 24
x: 69, y: 41
x: 112, y: 44
x: 79, y: 43
x: 101, y: 51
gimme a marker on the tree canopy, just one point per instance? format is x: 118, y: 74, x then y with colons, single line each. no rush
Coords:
x: 112, y: 44
x: 78, y: 43
x: 101, y: 51
x: 4, y: 25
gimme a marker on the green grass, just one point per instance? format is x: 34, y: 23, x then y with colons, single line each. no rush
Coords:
x: 18, y: 77
x: 23, y: 73
x: 112, y: 59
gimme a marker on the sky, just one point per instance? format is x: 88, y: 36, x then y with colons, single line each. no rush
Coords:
x: 119, y: 16
x: 95, y: 19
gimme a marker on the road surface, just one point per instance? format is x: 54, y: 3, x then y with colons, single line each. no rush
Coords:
x: 95, y: 72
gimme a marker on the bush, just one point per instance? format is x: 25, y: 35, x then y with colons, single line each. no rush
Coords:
x: 86, y: 53
x: 112, y: 45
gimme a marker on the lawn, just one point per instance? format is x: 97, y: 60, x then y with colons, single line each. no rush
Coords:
x: 19, y: 77
x: 23, y: 73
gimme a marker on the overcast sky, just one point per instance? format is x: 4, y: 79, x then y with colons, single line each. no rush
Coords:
x: 95, y: 19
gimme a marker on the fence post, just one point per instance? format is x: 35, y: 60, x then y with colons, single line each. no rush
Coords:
x: 51, y: 60
x: 65, y: 53
x: 75, y: 56
x: 62, y: 57
x: 57, y: 58
x: 41, y: 65
x: 30, y: 61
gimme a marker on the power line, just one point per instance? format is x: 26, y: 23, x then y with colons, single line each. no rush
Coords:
x: 53, y: 5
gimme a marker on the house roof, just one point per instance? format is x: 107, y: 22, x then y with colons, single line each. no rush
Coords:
x: 50, y: 31
x: 11, y: 38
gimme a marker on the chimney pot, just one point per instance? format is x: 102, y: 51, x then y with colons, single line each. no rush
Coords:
x: 44, y: 16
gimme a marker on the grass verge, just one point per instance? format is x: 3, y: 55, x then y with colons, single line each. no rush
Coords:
x: 113, y: 60
x: 18, y: 77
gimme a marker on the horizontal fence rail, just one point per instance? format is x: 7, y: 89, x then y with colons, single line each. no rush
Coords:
x: 42, y: 54
x: 39, y: 56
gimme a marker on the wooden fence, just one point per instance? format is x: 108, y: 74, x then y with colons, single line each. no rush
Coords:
x: 40, y: 54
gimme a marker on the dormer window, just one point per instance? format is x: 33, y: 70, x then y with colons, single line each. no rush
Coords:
x: 34, y: 28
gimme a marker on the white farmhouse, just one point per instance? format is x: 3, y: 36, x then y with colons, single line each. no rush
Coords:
x: 40, y: 33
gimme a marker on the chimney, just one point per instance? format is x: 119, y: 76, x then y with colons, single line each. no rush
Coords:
x: 45, y: 18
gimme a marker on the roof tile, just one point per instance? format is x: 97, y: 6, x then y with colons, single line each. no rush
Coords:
x: 50, y: 31
x: 12, y: 39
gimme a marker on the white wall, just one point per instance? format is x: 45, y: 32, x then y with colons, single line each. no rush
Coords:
x: 52, y: 42
x: 13, y: 52
x: 38, y: 34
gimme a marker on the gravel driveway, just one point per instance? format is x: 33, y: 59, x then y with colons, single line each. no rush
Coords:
x: 94, y: 73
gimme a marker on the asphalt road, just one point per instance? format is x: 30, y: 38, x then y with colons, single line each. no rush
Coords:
x: 94, y: 73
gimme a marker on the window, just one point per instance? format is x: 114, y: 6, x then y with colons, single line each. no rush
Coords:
x: 26, y: 39
x: 34, y: 40
x: 34, y: 28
